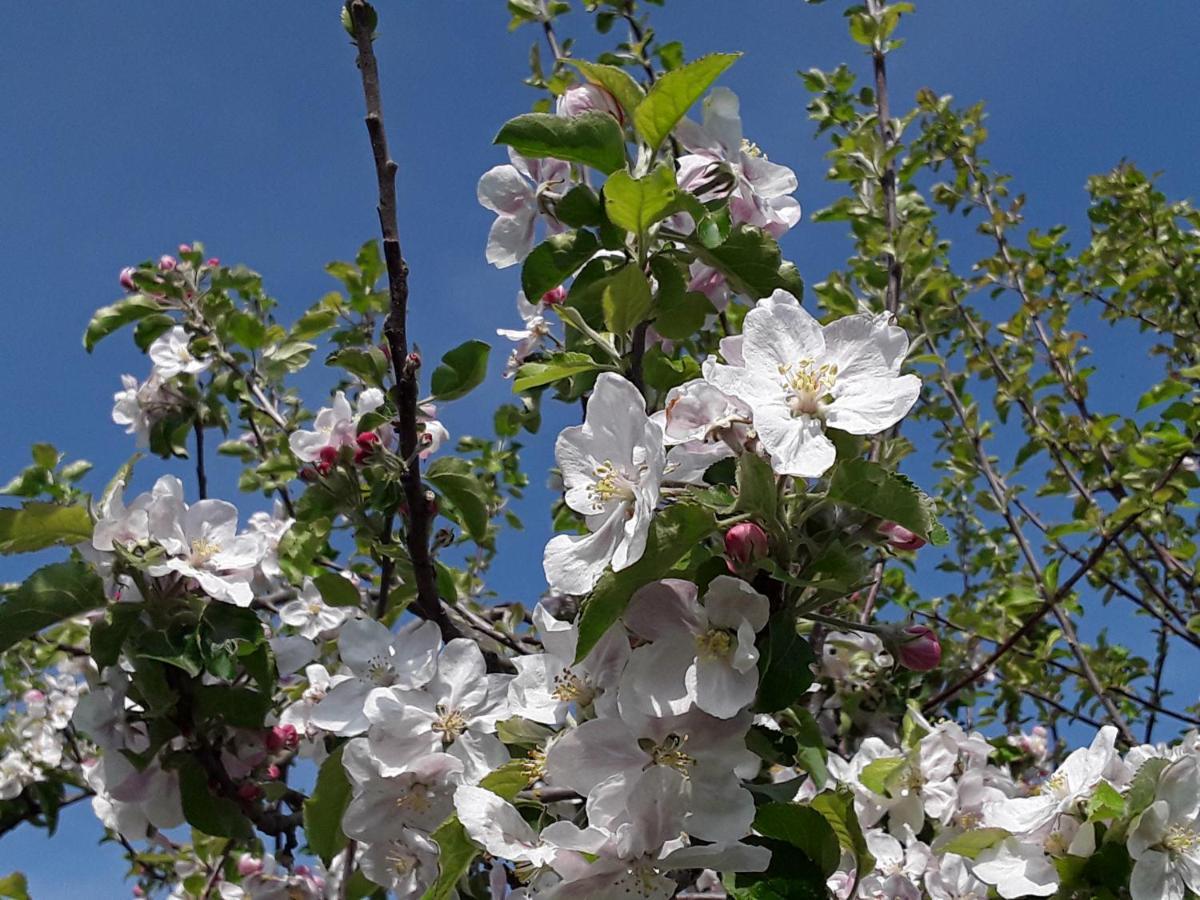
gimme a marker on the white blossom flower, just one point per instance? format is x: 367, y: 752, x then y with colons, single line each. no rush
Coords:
x: 528, y: 339
x: 697, y: 654
x: 138, y: 406
x: 172, y: 355
x: 455, y: 713
x: 547, y: 685
x: 517, y: 194
x: 800, y: 377
x: 952, y: 879
x: 612, y: 466
x: 495, y: 824
x: 203, y: 543
x: 382, y: 806
x: 376, y: 658
x: 334, y: 426
x: 899, y: 868
x: 309, y: 614
x: 406, y: 866
x: 760, y: 189
x: 1164, y: 839
x: 1017, y: 869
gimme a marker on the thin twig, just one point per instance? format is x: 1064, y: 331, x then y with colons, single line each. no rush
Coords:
x: 201, y: 476
x: 417, y: 510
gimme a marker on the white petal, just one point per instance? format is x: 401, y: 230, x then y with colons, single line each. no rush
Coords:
x: 869, y: 406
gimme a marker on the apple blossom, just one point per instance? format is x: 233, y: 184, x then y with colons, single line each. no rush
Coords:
x: 519, y: 193
x: 612, y: 466
x: 800, y: 377
x: 334, y: 426
x: 172, y: 355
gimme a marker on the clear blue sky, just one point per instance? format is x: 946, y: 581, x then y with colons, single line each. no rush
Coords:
x: 133, y: 127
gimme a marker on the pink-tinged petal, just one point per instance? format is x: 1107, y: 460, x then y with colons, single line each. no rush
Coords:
x: 661, y: 609
x: 594, y: 751
x: 510, y: 239
x: 502, y: 190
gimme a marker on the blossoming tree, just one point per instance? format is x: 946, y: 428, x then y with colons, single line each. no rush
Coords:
x: 731, y: 685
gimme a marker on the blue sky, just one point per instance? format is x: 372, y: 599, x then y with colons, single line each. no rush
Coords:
x: 135, y: 127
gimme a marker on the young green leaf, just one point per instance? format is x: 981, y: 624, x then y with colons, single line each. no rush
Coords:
x: 323, y: 810
x: 637, y: 203
x: 594, y: 138
x: 462, y: 370
x: 557, y: 367
x: 52, y: 593
x: 674, y: 93
x: 555, y: 260
x: 36, y: 526
x: 613, y: 79
x: 108, y: 319
x: 625, y: 299
x: 889, y: 495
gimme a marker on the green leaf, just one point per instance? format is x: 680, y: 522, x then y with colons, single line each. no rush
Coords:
x: 1144, y: 785
x: 579, y: 208
x: 108, y: 319
x: 14, y: 887
x: 467, y: 495
x: 868, y: 486
x: 323, y: 810
x: 802, y: 827
x: 36, y: 526
x: 558, y: 366
x: 637, y: 203
x: 555, y: 260
x: 613, y: 79
x: 206, y: 811
x: 674, y: 93
x: 594, y: 138
x: 679, y: 316
x: 462, y: 370
x: 236, y: 707
x: 876, y: 773
x: 625, y: 299
x: 971, y: 843
x: 673, y: 533
x: 750, y: 260
x: 336, y: 590
x: 784, y: 664
x: 838, y: 809
x: 368, y: 363
x: 52, y: 593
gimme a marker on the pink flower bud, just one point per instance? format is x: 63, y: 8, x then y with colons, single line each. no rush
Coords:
x: 139, y: 891
x: 367, y: 442
x: 900, y: 537
x: 248, y: 791
x: 167, y: 263
x: 554, y: 296
x: 212, y: 262
x: 745, y: 544
x: 185, y: 249
x: 581, y: 98
x: 282, y: 737
x: 127, y: 278
x: 273, y: 772
x: 249, y: 865
x: 918, y: 648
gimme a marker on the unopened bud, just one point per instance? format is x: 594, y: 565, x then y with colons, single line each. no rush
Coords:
x: 127, y: 278
x: 212, y: 262
x: 282, y: 737
x: 185, y: 249
x: 249, y: 865
x: 745, y: 544
x: 248, y: 791
x: 554, y: 296
x: 414, y: 359
x: 167, y: 263
x: 900, y: 537
x: 917, y: 647
x: 273, y: 772
x: 582, y: 98
x: 367, y: 442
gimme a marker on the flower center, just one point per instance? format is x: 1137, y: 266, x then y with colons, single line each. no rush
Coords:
x: 1056, y: 844
x: 1054, y: 785
x: 716, y: 643
x: 1180, y: 839
x: 568, y: 686
x: 402, y: 863
x: 669, y: 753
x: 203, y: 550
x: 380, y: 671
x: 808, y: 385
x: 752, y: 149
x: 611, y: 484
x: 450, y: 723
x: 417, y: 800
x: 534, y: 765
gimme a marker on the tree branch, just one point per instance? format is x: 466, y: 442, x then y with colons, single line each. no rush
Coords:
x: 417, y: 511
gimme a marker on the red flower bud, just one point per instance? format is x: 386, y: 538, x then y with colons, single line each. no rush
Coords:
x: 127, y: 278
x: 248, y: 791
x: 185, y: 249
x: 273, y: 772
x: 282, y: 737
x: 212, y: 262
x: 414, y: 359
x: 745, y: 544
x: 248, y: 865
x: 918, y: 648
x: 367, y: 442
x: 900, y: 537
x: 554, y: 296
